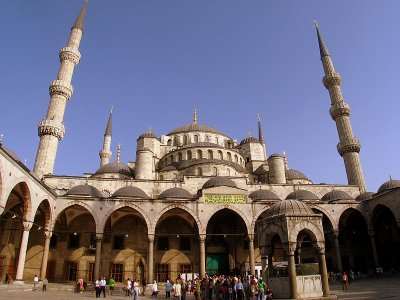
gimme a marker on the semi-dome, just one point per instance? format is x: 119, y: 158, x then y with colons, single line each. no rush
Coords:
x: 117, y: 168
x: 175, y: 193
x: 194, y: 127
x: 148, y: 134
x: 292, y: 174
x: 389, y: 185
x: 249, y: 139
x: 219, y: 181
x: 84, y: 190
x: 365, y: 196
x: 131, y: 192
x: 302, y: 195
x: 260, y: 195
x: 336, y: 195
x: 289, y: 207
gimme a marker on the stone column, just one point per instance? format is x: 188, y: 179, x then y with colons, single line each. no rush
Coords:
x: 292, y: 273
x: 43, y: 269
x: 251, y: 255
x: 323, y: 271
x: 264, y: 262
x: 22, y: 252
x: 299, y: 256
x: 202, y: 267
x: 337, y: 251
x: 371, y: 234
x: 97, y: 258
x: 150, y: 262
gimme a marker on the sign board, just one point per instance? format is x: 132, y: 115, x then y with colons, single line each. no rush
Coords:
x: 224, y: 199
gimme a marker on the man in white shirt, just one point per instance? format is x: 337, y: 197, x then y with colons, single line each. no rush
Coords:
x: 35, y: 282
x: 103, y: 283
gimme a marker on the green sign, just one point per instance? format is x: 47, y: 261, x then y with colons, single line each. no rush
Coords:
x: 225, y: 199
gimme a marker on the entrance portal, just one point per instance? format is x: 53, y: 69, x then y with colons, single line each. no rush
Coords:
x: 216, y: 264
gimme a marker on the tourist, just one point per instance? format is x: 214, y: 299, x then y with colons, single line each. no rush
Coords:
x: 128, y: 287
x: 168, y: 287
x: 44, y: 284
x: 144, y: 286
x: 103, y: 283
x: 154, y: 289
x: 268, y: 294
x: 97, y: 287
x: 345, y: 281
x: 35, y: 282
x: 112, y: 285
x: 261, y: 289
x: 177, y: 288
x: 239, y: 289
x: 79, y: 286
x: 136, y: 292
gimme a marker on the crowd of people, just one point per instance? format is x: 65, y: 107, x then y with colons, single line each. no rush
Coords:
x: 217, y: 288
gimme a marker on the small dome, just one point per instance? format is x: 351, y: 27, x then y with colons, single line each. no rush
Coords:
x: 175, y: 193
x: 219, y: 181
x: 275, y: 155
x: 148, y: 134
x: 131, y: 192
x: 336, y: 195
x: 249, y: 139
x: 302, y: 195
x: 388, y: 185
x: 115, y: 167
x: 263, y: 195
x: 364, y: 196
x: 194, y: 127
x: 289, y: 207
x: 84, y: 190
x: 295, y: 174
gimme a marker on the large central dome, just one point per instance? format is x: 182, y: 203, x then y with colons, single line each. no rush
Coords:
x: 194, y: 127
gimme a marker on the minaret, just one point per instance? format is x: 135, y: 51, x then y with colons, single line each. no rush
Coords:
x: 105, y: 153
x: 261, y: 136
x: 348, y: 146
x: 51, y: 129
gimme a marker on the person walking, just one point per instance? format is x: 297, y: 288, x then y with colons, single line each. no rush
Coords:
x: 128, y: 287
x: 97, y: 287
x: 103, y: 283
x: 35, y: 282
x: 345, y: 279
x: 168, y: 287
x: 154, y: 289
x: 45, y: 283
x: 261, y: 289
x: 136, y: 292
x: 112, y: 285
x: 177, y: 288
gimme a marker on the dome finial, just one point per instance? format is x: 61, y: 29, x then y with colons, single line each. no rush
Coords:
x: 119, y: 153
x: 316, y: 23
x: 195, y: 116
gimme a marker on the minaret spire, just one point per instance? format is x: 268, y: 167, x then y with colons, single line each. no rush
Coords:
x: 195, y: 117
x: 105, y: 153
x: 51, y: 129
x: 261, y: 136
x: 348, y: 146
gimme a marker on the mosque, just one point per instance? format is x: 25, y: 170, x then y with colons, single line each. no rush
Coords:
x: 194, y: 202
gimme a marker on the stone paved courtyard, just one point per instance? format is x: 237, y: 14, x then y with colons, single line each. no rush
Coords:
x: 372, y: 288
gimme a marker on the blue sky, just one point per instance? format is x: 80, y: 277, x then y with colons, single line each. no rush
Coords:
x: 156, y: 61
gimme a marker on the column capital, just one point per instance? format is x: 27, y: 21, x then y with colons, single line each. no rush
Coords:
x: 48, y: 234
x: 290, y: 247
x: 320, y: 247
x: 250, y: 237
x: 202, y: 238
x: 335, y: 234
x: 99, y: 236
x: 371, y: 233
x: 27, y: 225
x: 150, y: 238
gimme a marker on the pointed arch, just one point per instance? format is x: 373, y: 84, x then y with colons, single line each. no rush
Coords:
x: 235, y: 210
x: 255, y: 218
x: 78, y: 203
x: 21, y: 188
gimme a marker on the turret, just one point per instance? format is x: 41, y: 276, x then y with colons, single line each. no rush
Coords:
x: 105, y: 153
x: 348, y: 146
x: 147, y: 148
x: 276, y: 164
x: 51, y: 129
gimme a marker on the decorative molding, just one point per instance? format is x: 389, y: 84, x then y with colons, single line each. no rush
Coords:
x: 339, y: 109
x: 71, y: 54
x: 62, y: 88
x: 51, y: 127
x: 331, y: 79
x: 353, y: 146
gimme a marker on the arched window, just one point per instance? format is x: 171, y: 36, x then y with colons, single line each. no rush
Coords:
x: 172, y: 159
x: 220, y: 155
x: 215, y: 171
x: 161, y: 177
x: 174, y: 176
x: 185, y: 139
x: 210, y: 154
x: 229, y: 156
x: 198, y: 172
x: 199, y: 154
x: 236, y: 159
x: 216, y: 140
x: 175, y: 141
x: 228, y: 172
x: 179, y: 156
x: 207, y: 138
x: 196, y: 138
x: 169, y: 143
x: 189, y: 155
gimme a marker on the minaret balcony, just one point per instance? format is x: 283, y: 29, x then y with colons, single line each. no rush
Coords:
x: 71, y: 54
x: 331, y: 79
x: 339, y: 109
x: 62, y: 88
x: 51, y: 127
x: 352, y: 146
